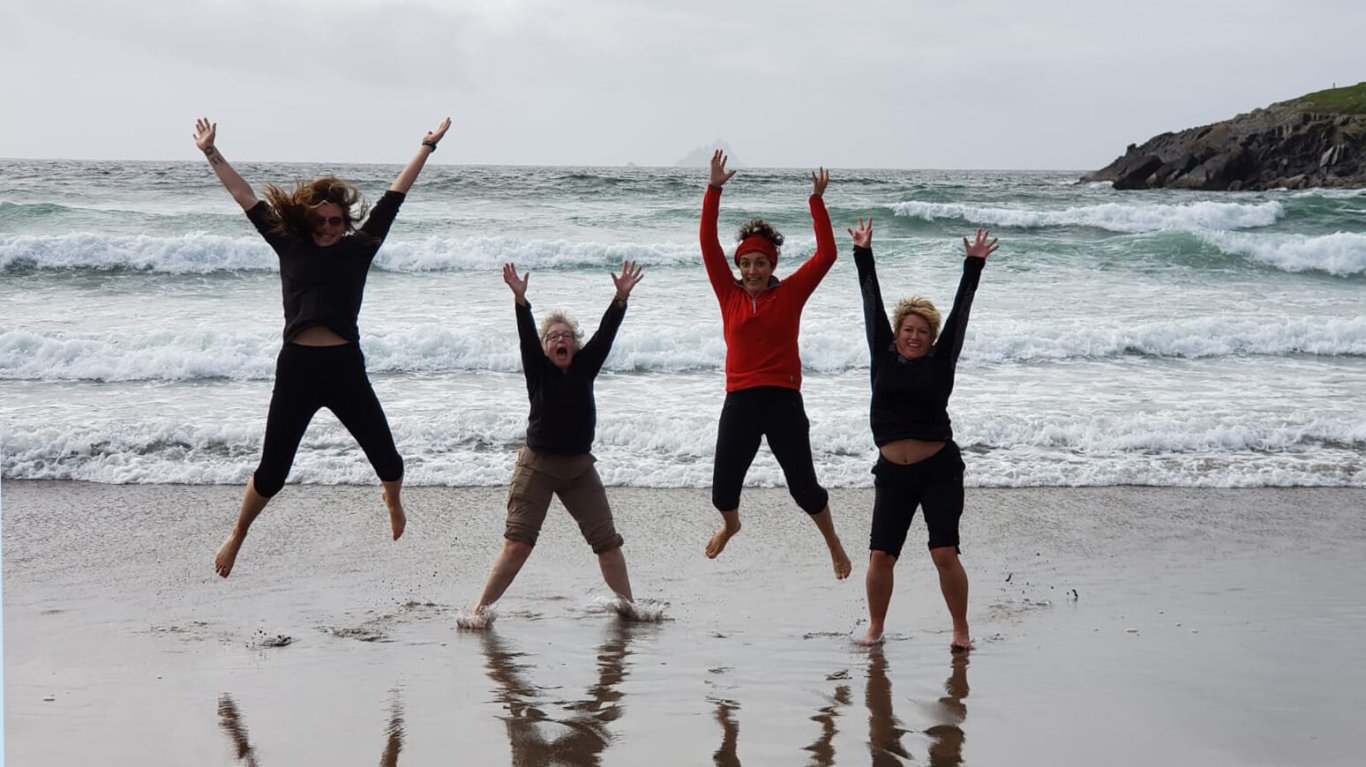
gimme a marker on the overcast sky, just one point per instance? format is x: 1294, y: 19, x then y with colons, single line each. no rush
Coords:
x: 883, y: 83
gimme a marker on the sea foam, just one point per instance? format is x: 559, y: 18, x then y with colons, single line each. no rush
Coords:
x: 1114, y: 217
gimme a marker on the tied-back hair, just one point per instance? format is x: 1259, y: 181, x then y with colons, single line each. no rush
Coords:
x: 560, y: 318
x: 293, y: 210
x: 921, y: 307
x: 760, y: 227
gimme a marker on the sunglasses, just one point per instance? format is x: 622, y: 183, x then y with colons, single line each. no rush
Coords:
x: 328, y: 220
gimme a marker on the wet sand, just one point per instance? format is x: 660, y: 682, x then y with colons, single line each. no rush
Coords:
x: 1118, y: 626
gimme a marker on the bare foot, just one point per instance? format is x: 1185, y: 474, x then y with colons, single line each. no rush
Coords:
x: 227, y: 554
x: 477, y: 619
x: 872, y: 637
x: 840, y: 561
x: 397, y: 519
x: 718, y: 542
x: 961, y: 642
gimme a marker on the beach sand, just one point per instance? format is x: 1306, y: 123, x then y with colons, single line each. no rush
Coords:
x: 1116, y: 626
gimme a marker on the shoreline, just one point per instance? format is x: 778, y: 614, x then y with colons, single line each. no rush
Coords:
x: 1192, y: 615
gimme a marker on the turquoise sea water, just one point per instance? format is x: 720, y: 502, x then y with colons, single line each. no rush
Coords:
x: 1165, y: 338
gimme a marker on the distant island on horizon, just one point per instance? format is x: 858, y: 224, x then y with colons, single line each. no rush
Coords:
x: 1316, y: 140
x: 701, y: 156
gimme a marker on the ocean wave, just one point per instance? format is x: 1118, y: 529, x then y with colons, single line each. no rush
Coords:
x: 201, y: 253
x: 1129, y: 218
x: 206, y: 354
x: 657, y: 453
x: 1342, y: 254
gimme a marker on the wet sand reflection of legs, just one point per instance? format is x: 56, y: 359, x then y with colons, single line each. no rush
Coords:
x: 946, y: 715
x: 236, y: 729
x: 586, y: 732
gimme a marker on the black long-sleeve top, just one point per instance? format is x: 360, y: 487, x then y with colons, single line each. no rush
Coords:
x: 563, y: 413
x: 911, y: 397
x: 324, y: 286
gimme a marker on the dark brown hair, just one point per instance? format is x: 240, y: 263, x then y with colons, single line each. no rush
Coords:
x: 762, y: 228
x: 293, y: 210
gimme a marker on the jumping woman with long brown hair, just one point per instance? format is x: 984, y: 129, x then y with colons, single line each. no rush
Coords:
x: 324, y: 258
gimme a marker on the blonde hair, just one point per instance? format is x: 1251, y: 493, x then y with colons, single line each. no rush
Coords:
x: 921, y: 307
x: 293, y: 209
x: 560, y: 318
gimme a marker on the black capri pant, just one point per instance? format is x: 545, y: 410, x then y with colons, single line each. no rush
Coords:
x: 765, y: 411
x: 934, y: 484
x: 311, y: 377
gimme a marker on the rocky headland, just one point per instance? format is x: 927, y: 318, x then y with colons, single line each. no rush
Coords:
x: 1317, y: 140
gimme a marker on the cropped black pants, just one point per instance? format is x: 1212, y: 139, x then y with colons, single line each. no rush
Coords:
x: 311, y: 377
x: 749, y: 415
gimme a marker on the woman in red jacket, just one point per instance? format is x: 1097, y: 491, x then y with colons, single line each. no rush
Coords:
x: 761, y: 316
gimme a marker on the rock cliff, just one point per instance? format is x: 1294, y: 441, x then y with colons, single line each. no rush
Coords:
x: 1317, y: 140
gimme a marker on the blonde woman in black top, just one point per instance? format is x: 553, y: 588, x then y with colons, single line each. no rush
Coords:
x: 324, y: 259
x: 919, y: 465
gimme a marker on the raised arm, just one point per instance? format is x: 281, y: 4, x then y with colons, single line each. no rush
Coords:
x: 875, y: 323
x: 950, y: 341
x: 528, y: 339
x: 205, y: 133
x: 713, y: 256
x: 810, y: 274
x: 405, y: 179
x: 594, y: 353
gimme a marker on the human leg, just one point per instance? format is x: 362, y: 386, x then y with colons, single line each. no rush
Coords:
x: 506, y: 565
x: 294, y: 399
x: 737, y: 442
x: 878, y: 585
x: 953, y: 583
x: 789, y: 437
x: 585, y: 499
x: 528, y: 499
x: 943, y: 505
x: 352, y: 399
x: 896, y: 495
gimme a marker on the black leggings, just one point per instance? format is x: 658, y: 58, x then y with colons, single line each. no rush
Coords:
x: 777, y: 413
x: 312, y: 377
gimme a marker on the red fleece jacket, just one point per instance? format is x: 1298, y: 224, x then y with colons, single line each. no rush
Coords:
x: 761, y: 331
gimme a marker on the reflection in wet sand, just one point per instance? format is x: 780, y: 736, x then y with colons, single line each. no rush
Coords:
x: 946, y: 737
x: 947, y: 714
x: 726, y: 756
x: 823, y: 750
x: 884, y: 729
x: 586, y: 734
x: 231, y: 722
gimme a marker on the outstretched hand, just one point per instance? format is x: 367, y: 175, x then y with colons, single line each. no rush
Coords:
x: 719, y: 174
x: 518, y: 285
x: 630, y: 275
x: 980, y: 247
x: 819, y: 179
x: 434, y: 136
x: 863, y: 235
x: 204, y: 134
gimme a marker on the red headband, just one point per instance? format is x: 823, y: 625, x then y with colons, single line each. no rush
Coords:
x: 757, y: 243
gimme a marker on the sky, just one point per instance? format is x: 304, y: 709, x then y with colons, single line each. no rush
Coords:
x: 1008, y: 84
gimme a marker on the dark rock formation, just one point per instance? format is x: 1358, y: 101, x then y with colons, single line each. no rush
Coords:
x: 1318, y: 140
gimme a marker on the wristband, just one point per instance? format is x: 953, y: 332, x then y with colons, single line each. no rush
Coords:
x: 428, y: 143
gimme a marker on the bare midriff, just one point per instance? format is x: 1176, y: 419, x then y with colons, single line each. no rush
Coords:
x: 318, y: 335
x: 908, y: 451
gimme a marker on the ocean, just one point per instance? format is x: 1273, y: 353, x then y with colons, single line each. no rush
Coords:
x: 1118, y: 338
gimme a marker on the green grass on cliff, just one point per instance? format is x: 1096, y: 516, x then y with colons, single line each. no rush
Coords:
x: 1349, y: 101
